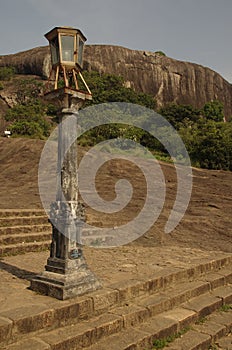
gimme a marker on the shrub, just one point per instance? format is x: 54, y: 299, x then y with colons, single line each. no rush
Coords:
x: 161, y: 53
x: 27, y: 128
x: 32, y: 111
x: 51, y: 109
x: 6, y: 73
x: 28, y: 89
x: 29, y: 119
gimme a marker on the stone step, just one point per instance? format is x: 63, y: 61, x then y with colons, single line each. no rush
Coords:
x: 23, y: 220
x: 98, y: 333
x: 213, y: 332
x: 12, y: 214
x: 95, y: 240
x: 89, y: 231
x: 25, y: 238
x: 11, y: 230
x: 35, y: 344
x: 143, y: 336
x: 224, y: 343
x: 177, y: 329
x: 4, y: 213
x: 127, y: 305
x: 103, y: 220
x: 21, y: 248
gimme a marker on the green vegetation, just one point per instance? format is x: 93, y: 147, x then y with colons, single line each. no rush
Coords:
x: 161, y: 343
x: 180, y: 115
x: 30, y: 129
x: 213, y: 111
x: 226, y: 308
x: 29, y: 119
x: 209, y: 144
x: 32, y: 118
x: 207, y: 137
x: 6, y: 73
x: 213, y: 347
x: 28, y: 90
x: 111, y: 88
x: 201, y: 320
x: 161, y: 53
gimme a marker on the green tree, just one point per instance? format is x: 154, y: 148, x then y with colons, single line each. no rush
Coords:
x: 213, y: 110
x: 110, y: 88
x: 179, y: 115
x: 209, y: 144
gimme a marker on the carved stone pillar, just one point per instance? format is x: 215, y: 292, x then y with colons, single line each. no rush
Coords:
x: 66, y: 273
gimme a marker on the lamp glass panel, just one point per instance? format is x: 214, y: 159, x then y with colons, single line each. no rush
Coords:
x: 54, y: 51
x: 67, y: 48
x: 80, y: 51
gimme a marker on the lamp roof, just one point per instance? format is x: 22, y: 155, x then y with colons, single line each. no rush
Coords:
x: 64, y: 30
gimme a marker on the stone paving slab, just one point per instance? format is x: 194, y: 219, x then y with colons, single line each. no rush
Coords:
x: 35, y: 344
x: 225, y: 343
x: 203, y: 305
x: 223, y: 318
x: 130, y: 341
x: 112, y: 266
x: 191, y: 340
x: 224, y: 293
x: 183, y: 316
x: 215, y: 330
x: 125, y: 273
x: 212, y: 332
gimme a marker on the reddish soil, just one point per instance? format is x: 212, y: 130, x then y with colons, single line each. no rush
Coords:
x: 206, y: 224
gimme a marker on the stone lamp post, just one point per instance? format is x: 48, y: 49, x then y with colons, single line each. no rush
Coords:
x: 66, y: 273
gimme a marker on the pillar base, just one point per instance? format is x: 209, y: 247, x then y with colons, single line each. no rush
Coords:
x: 65, y: 279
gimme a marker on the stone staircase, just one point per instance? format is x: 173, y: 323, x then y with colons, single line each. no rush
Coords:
x: 28, y: 230
x: 187, y: 309
x: 23, y: 231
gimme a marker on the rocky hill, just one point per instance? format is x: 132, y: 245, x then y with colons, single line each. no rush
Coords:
x: 167, y: 79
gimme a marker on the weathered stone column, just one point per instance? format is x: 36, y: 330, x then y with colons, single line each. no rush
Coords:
x: 66, y: 273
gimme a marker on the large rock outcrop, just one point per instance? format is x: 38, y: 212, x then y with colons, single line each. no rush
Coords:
x: 35, y: 61
x: 167, y: 79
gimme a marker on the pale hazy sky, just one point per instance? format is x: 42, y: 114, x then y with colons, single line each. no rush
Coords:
x: 191, y: 30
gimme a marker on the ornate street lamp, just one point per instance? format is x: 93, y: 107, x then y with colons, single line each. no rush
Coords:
x: 66, y: 46
x: 66, y: 273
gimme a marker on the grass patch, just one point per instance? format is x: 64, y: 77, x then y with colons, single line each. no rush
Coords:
x: 213, y: 347
x: 161, y: 343
x: 201, y: 320
x: 226, y: 308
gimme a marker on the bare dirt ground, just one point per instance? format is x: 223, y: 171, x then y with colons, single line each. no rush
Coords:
x: 206, y: 224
